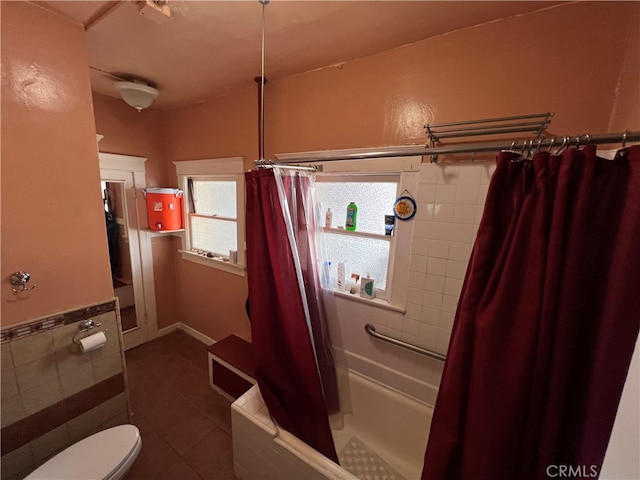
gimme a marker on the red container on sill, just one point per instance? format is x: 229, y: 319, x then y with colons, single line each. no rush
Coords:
x: 164, y: 208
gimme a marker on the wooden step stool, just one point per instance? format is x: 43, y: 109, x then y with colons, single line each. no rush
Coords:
x: 231, y: 370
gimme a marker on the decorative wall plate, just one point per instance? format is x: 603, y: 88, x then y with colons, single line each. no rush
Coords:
x: 405, y: 208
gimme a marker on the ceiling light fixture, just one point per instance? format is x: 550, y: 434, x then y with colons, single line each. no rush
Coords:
x: 138, y: 95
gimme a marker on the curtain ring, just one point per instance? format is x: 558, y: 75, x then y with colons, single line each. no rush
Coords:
x: 552, y: 141
x: 588, y: 138
x: 624, y: 138
x: 578, y: 142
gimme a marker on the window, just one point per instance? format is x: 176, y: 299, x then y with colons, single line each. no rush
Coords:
x: 214, y: 212
x: 213, y: 219
x: 365, y: 251
x: 373, y: 185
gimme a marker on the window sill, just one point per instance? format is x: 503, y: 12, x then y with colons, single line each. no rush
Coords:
x: 374, y: 302
x: 234, y: 268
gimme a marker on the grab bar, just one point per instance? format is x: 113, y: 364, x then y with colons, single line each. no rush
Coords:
x: 371, y: 330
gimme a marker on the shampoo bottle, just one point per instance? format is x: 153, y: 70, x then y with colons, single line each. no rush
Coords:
x: 328, y: 218
x: 352, y: 215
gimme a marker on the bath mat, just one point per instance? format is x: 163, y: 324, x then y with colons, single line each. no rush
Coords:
x: 360, y: 460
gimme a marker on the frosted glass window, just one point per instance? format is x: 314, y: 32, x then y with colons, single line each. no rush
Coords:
x: 215, y: 197
x: 360, y: 254
x: 374, y: 200
x: 213, y: 235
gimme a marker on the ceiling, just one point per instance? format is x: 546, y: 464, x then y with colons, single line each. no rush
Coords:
x: 209, y: 48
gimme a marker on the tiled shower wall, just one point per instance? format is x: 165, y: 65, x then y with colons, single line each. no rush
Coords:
x: 53, y: 395
x: 450, y: 202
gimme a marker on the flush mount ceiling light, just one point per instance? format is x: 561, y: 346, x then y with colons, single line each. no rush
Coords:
x: 138, y: 95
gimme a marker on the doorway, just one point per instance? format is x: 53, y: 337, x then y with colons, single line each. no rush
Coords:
x: 122, y: 181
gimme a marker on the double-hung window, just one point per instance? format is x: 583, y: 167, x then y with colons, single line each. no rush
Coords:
x: 213, y: 212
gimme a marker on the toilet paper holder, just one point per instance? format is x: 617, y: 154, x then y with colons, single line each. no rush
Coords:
x: 85, y: 326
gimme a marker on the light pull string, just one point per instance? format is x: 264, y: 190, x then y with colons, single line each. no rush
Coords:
x: 264, y: 4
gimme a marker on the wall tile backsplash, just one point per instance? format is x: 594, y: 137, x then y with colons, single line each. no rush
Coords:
x: 450, y: 201
x: 45, y: 376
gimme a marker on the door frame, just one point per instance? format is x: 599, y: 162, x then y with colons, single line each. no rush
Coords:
x: 129, y: 168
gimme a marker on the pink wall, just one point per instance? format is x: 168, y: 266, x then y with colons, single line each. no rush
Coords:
x: 129, y: 132
x: 52, y: 221
x: 569, y: 60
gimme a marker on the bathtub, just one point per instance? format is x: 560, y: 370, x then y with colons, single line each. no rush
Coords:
x: 379, y: 427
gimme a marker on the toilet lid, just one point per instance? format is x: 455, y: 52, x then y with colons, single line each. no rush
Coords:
x: 95, y: 457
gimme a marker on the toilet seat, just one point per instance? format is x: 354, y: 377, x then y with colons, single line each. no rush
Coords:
x: 106, y: 455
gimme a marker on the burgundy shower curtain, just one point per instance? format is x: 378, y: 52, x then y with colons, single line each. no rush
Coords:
x: 547, y: 321
x: 283, y: 349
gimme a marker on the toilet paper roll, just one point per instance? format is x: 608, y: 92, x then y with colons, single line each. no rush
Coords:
x: 93, y: 342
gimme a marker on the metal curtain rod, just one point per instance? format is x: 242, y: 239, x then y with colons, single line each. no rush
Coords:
x: 371, y: 330
x: 419, y: 150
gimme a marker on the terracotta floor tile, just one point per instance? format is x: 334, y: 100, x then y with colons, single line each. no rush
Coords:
x: 202, y: 458
x: 185, y: 424
x: 188, y: 431
x: 156, y: 456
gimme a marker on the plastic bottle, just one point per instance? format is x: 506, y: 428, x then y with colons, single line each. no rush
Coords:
x: 352, y: 215
x: 341, y: 276
x: 328, y: 218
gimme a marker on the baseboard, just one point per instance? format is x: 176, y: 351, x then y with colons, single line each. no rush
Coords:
x: 188, y: 330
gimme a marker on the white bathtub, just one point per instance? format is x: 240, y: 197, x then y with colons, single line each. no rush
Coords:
x: 394, y: 426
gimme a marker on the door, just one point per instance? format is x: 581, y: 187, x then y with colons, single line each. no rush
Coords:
x: 129, y: 249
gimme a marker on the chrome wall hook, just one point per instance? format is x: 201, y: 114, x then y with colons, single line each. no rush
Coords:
x: 20, y: 279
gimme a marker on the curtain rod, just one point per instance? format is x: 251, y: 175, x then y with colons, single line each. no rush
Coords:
x: 419, y: 150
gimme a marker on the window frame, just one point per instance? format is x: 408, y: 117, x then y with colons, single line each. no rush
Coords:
x: 222, y: 169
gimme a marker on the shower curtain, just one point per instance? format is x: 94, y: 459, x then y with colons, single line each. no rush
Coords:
x: 547, y: 321
x: 292, y: 356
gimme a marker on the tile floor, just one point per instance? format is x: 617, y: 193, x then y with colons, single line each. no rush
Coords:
x: 184, y: 423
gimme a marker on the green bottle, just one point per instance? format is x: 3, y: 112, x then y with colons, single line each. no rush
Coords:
x: 352, y: 215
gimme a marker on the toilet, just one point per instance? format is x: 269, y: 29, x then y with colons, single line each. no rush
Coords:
x: 106, y: 455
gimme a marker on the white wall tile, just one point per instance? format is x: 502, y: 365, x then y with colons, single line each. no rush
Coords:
x: 469, y: 174
x: 465, y: 195
x: 438, y: 249
x: 425, y: 211
x: 446, y: 320
x: 426, y: 193
x: 415, y: 295
x: 428, y: 173
x: 428, y: 333
x: 417, y: 280
x: 434, y: 283
x: 437, y: 266
x: 452, y: 286
x: 413, y: 310
x: 446, y: 194
x: 412, y: 327
x: 419, y: 246
x: 460, y: 251
x: 449, y: 304
x: 456, y: 269
x: 447, y: 174
x: 441, y: 231
x: 418, y: 263
x: 430, y: 316
x: 463, y: 233
x: 421, y: 229
x: 432, y: 300
x: 443, y: 212
x: 464, y: 213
